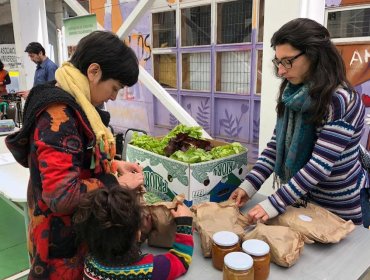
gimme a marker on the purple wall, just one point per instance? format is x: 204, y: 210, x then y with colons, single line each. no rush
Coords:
x: 225, y: 116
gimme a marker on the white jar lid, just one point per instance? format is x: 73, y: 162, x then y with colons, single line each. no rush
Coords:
x: 225, y: 238
x: 238, y: 261
x: 256, y: 247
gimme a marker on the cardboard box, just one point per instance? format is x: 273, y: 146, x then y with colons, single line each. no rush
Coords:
x: 212, y: 180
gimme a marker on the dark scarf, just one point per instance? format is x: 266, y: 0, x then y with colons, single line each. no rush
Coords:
x: 295, y: 137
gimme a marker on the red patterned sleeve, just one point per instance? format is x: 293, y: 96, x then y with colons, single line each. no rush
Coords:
x: 60, y: 155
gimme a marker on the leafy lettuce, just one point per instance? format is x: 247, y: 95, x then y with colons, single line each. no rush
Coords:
x: 193, y: 154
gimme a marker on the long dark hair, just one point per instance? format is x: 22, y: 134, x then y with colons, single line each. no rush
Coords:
x: 108, y: 220
x: 1, y: 65
x: 327, y: 70
x: 117, y: 61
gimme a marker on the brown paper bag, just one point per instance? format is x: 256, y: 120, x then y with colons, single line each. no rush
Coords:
x: 163, y: 229
x: 286, y: 245
x: 211, y: 217
x: 315, y: 222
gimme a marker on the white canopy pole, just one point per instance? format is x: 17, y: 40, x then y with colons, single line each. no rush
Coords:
x: 144, y: 77
x: 130, y: 22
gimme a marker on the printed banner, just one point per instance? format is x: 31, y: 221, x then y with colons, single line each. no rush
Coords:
x: 76, y: 28
x: 12, y: 63
x: 9, y: 57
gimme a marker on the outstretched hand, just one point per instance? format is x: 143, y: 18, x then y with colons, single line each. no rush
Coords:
x: 257, y: 214
x: 131, y: 180
x: 124, y: 167
x: 239, y: 196
x: 130, y: 174
x: 24, y: 94
x: 181, y: 211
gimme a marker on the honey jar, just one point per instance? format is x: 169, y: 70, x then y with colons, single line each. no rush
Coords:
x: 224, y: 242
x: 238, y: 266
x: 260, y: 252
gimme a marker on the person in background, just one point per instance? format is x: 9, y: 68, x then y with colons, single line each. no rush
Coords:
x: 65, y: 143
x: 4, y: 80
x: 314, y: 149
x: 45, y: 68
x: 108, y: 220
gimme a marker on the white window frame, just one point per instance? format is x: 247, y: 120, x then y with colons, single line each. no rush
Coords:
x: 255, y: 5
x: 347, y: 40
x: 161, y: 10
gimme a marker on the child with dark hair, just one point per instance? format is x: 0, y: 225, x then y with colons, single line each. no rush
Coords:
x: 108, y: 220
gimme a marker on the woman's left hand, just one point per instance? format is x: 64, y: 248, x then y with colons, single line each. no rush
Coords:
x: 124, y: 167
x: 257, y: 213
x: 131, y: 180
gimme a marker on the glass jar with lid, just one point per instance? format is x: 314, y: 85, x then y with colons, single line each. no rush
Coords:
x: 224, y: 242
x: 260, y: 252
x: 238, y: 266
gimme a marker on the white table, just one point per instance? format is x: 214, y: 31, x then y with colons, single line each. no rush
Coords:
x: 13, y: 183
x: 346, y: 260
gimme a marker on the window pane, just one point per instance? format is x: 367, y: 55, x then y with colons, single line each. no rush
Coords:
x: 196, y: 26
x: 196, y: 71
x: 233, y: 72
x: 349, y: 23
x: 165, y: 70
x: 234, y: 22
x: 164, y: 29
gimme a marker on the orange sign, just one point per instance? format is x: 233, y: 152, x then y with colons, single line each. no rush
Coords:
x: 105, y: 10
x: 353, y: 2
x: 110, y: 10
x: 357, y: 60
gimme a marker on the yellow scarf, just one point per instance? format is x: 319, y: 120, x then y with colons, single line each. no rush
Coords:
x: 71, y: 80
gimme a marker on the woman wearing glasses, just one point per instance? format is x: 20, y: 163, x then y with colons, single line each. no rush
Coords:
x: 313, y: 152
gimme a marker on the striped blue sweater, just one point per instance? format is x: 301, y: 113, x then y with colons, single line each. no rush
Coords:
x: 333, y: 175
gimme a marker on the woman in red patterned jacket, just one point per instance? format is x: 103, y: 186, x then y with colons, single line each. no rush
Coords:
x: 65, y: 143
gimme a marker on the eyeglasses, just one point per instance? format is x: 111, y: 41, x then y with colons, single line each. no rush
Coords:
x: 286, y: 62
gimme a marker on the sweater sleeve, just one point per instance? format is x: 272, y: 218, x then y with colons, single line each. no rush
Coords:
x: 60, y: 155
x: 337, y: 144
x: 176, y: 262
x: 262, y: 169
